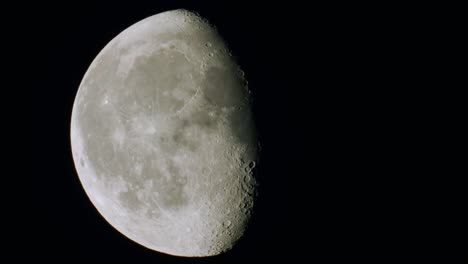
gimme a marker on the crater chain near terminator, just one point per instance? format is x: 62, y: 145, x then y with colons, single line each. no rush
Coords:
x: 163, y: 136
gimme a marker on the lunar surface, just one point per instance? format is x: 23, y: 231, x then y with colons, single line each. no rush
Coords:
x: 163, y: 137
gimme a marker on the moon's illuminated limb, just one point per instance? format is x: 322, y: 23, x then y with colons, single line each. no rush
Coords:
x: 163, y: 137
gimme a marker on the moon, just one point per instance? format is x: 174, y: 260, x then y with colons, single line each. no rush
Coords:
x: 163, y: 136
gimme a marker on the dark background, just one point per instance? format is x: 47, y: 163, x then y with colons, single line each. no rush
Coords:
x: 312, y: 70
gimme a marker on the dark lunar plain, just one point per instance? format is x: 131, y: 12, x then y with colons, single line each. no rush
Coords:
x: 313, y: 73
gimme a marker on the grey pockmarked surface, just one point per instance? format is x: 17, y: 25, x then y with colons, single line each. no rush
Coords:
x: 163, y: 137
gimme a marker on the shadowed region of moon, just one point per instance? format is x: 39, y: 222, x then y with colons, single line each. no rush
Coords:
x: 163, y: 136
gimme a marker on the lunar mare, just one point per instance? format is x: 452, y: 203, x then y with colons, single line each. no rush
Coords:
x: 163, y: 136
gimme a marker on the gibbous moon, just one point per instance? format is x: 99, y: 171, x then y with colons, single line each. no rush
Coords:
x: 163, y: 137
